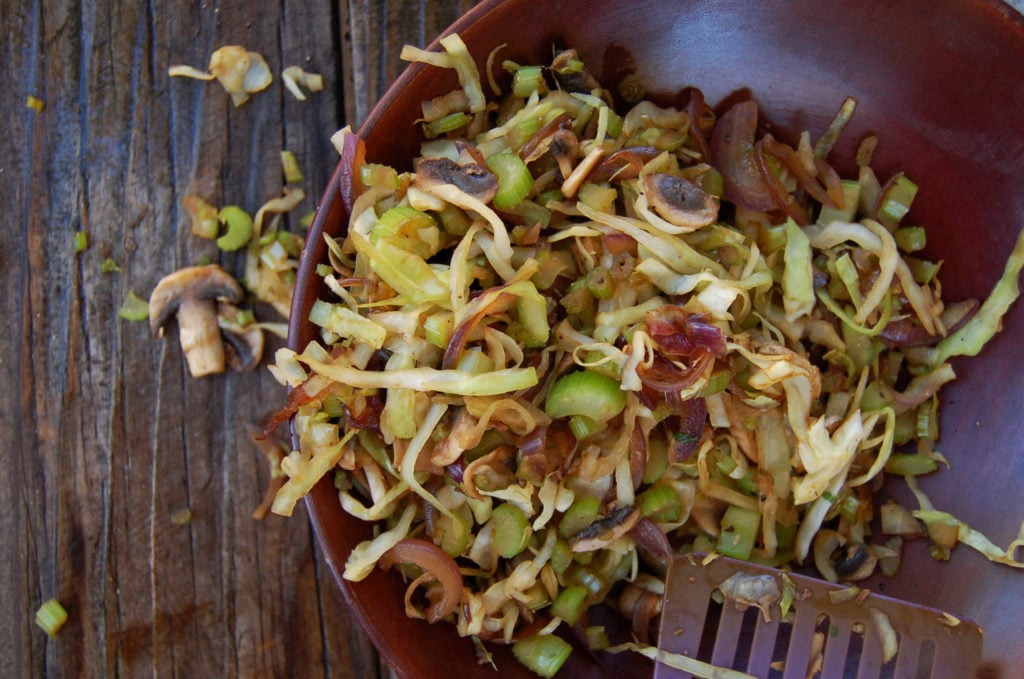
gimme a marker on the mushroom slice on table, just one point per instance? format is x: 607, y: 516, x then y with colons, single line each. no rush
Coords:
x: 192, y: 294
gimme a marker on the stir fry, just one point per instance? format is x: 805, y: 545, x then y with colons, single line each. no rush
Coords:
x: 577, y: 341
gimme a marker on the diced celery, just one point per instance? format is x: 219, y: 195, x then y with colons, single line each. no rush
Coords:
x: 453, y: 534
x: 599, y: 283
x: 584, y: 427
x: 660, y: 503
x: 657, y: 460
x: 550, y: 195
x: 586, y: 577
x: 785, y: 534
x: 583, y: 512
x: 437, y: 328
x: 409, y: 229
x: 851, y: 197
x: 570, y: 604
x: 449, y: 123
x: 528, y: 79
x: 374, y: 174
x: 911, y: 238
x: 717, y: 382
x: 597, y: 638
x: 910, y: 464
x: 928, y: 419
x: 332, y: 406
x: 320, y: 313
x: 849, y: 506
x: 740, y: 527
x: 454, y: 220
x: 532, y: 213
x: 239, y: 225
x: 906, y: 427
x: 922, y: 270
x: 894, y: 201
x: 561, y: 557
x: 583, y: 558
x: 514, y: 179
x: 512, y: 531
x: 51, y: 616
x: 570, y: 66
x: 542, y: 654
x: 846, y: 270
x: 773, y: 238
x: 585, y: 392
x: 290, y: 168
x: 134, y: 308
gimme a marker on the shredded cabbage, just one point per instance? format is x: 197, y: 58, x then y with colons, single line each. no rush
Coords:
x: 757, y: 390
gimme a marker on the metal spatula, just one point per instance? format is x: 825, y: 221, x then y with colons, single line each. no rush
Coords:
x: 835, y: 635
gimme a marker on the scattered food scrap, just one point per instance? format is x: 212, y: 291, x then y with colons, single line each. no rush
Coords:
x: 51, y: 616
x: 295, y: 79
x: 238, y: 70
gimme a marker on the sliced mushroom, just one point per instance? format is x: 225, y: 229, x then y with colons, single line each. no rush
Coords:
x: 540, y: 142
x: 679, y: 201
x: 747, y: 589
x: 191, y: 293
x: 244, y: 347
x: 857, y: 563
x: 472, y: 178
x: 601, y: 533
x: 564, y: 145
x: 624, y: 164
x: 572, y: 79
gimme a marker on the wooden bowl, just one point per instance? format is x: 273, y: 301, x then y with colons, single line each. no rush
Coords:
x: 941, y: 82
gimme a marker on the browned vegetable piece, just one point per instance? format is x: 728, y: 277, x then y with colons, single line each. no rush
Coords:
x: 679, y: 201
x: 563, y: 148
x: 600, y: 534
x: 472, y: 179
x: 191, y: 293
x: 244, y: 346
x: 572, y: 75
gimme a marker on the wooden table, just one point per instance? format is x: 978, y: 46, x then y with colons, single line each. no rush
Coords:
x: 104, y: 436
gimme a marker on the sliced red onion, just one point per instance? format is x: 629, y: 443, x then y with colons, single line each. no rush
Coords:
x: 435, y: 561
x: 732, y: 153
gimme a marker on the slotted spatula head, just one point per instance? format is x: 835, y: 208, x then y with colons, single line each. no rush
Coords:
x: 835, y: 636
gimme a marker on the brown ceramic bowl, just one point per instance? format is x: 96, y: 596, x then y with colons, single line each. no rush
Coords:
x: 942, y: 84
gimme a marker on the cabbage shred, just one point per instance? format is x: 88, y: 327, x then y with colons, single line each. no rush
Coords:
x: 749, y: 352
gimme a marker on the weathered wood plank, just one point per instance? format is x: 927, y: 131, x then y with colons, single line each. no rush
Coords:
x: 103, y: 433
x: 376, y: 32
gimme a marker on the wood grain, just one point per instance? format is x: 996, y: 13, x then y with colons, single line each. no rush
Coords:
x: 103, y: 434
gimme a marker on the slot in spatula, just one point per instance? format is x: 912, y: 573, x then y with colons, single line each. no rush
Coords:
x: 837, y: 635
